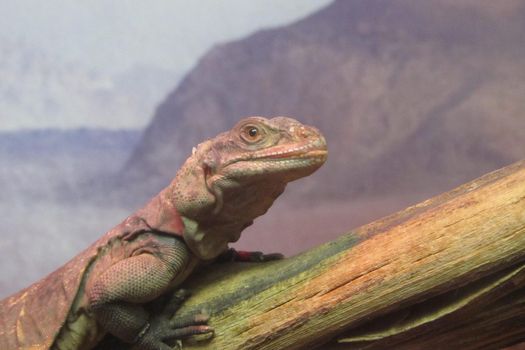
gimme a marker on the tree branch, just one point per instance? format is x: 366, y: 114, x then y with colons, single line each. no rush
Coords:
x: 449, y: 271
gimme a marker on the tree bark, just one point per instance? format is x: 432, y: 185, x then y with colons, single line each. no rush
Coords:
x: 446, y: 273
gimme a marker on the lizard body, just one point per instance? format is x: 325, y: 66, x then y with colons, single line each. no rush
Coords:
x: 222, y: 187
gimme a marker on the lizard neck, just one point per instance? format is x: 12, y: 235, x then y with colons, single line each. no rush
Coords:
x: 189, y: 194
x: 216, y: 216
x: 209, y: 235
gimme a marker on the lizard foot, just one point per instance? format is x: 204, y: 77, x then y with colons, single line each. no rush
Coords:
x: 162, y: 330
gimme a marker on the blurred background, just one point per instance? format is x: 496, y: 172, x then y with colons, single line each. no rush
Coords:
x: 101, y: 103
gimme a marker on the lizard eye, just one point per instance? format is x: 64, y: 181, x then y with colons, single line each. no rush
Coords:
x: 251, y: 133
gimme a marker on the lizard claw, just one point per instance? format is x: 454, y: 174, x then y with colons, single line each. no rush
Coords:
x: 247, y: 256
x: 259, y: 256
x: 272, y: 256
x: 163, y: 329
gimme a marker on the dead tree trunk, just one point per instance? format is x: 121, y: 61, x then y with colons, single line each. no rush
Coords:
x: 446, y: 273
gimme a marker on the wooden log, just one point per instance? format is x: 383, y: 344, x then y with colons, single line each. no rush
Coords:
x: 449, y: 271
x: 485, y: 314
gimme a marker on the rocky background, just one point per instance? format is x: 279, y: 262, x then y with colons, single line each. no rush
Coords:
x: 414, y: 98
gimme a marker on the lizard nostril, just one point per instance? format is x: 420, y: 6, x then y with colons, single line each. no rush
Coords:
x: 304, y: 133
x: 307, y: 133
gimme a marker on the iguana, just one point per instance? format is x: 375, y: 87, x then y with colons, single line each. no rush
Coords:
x: 222, y: 187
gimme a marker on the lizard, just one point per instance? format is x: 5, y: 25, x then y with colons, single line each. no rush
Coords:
x: 220, y: 189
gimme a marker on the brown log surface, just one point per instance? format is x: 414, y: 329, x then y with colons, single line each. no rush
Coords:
x: 448, y: 273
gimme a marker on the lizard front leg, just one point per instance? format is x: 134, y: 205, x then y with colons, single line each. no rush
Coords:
x: 117, y: 295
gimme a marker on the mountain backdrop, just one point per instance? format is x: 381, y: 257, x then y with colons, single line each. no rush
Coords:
x: 414, y: 97
x: 40, y: 90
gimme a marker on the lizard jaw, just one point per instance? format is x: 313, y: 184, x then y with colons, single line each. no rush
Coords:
x: 308, y: 150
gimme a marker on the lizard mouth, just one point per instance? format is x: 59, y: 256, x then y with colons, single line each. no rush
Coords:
x: 312, y: 150
x: 316, y: 153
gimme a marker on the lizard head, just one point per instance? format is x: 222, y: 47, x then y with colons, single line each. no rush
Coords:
x: 235, y: 177
x: 259, y: 150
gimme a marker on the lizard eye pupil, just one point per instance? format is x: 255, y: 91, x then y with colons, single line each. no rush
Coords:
x: 251, y: 133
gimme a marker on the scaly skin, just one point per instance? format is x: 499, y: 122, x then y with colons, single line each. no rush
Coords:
x: 224, y: 185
